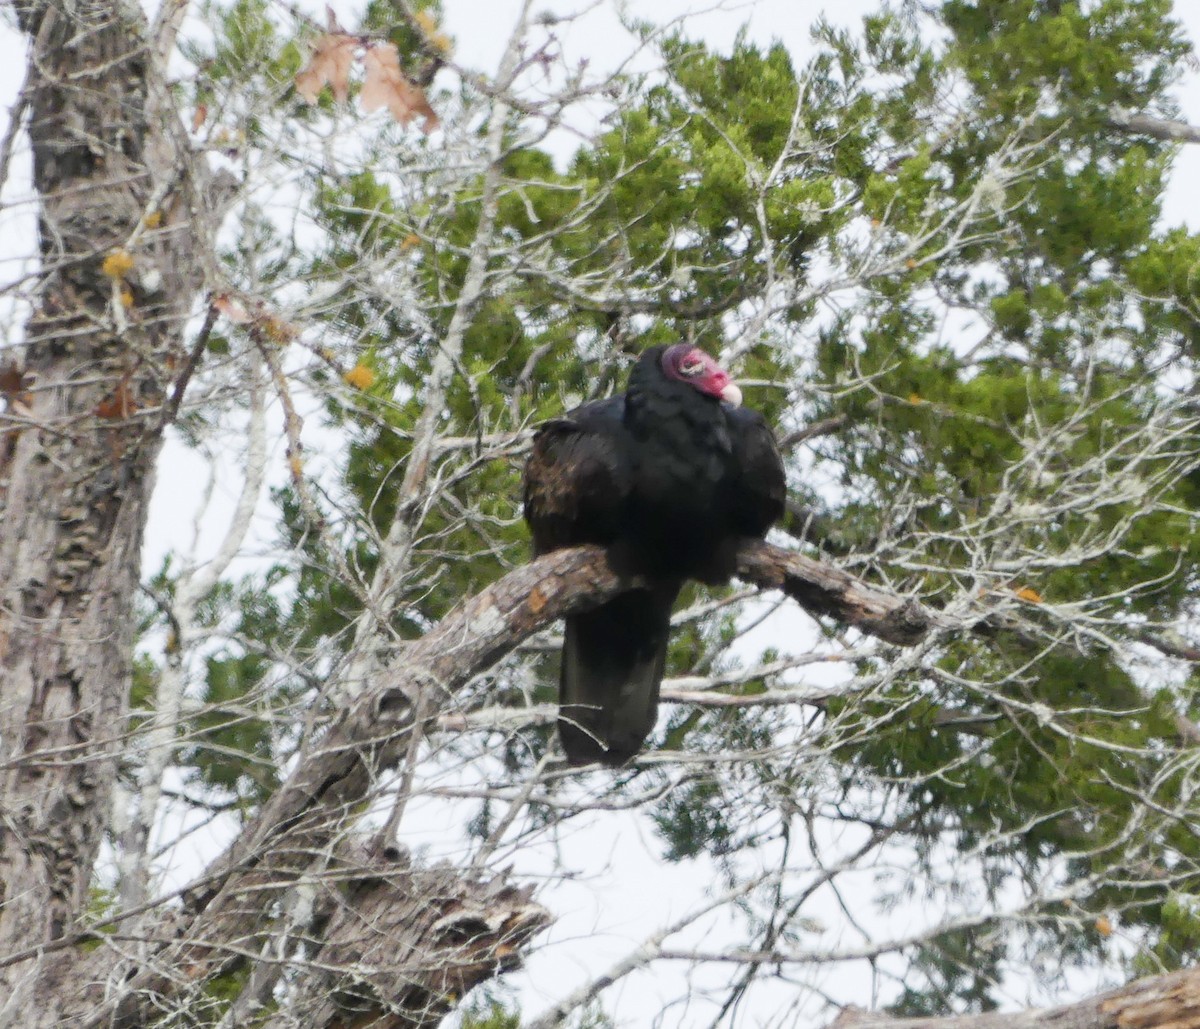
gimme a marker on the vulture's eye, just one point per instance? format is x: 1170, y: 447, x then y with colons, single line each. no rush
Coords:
x: 691, y: 366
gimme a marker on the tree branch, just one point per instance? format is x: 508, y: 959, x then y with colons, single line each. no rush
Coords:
x: 1167, y: 129
x: 822, y: 589
x: 1162, y: 1000
x: 825, y: 427
x: 335, y: 772
x: 364, y: 739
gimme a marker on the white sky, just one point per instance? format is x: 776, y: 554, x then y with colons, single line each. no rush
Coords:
x: 629, y: 891
x: 633, y: 892
x: 480, y: 31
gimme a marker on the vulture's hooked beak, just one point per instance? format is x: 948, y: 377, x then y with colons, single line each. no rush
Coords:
x: 731, y: 395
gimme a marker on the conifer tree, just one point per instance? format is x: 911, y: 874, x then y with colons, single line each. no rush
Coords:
x: 941, y: 733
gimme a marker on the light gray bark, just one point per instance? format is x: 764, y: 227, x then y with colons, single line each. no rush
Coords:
x: 101, y: 357
x: 125, y: 239
x: 125, y: 248
x: 1159, y: 1002
x: 1169, y: 130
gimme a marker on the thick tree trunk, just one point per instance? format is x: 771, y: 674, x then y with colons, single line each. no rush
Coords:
x: 124, y: 238
x: 89, y: 387
x: 399, y: 946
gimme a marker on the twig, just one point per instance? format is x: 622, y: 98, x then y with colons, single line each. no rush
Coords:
x: 1167, y: 129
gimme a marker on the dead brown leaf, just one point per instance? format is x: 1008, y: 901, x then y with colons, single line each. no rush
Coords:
x: 386, y: 86
x: 13, y: 391
x: 331, y: 20
x: 11, y: 379
x: 231, y: 309
x: 119, y: 405
x: 332, y: 58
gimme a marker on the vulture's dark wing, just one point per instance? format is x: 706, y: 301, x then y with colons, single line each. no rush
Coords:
x: 761, y: 490
x: 577, y: 477
x: 577, y: 483
x: 668, y: 479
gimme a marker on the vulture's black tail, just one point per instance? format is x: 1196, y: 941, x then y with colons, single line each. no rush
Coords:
x: 612, y: 664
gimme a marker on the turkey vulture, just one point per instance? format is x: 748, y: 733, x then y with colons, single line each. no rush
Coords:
x: 669, y: 476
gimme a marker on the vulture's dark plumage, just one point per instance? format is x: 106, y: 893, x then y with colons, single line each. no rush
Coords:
x: 669, y: 477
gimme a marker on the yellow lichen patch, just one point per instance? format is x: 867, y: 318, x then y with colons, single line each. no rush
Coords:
x: 360, y: 377
x: 117, y: 264
x: 153, y: 220
x: 436, y: 40
x: 1030, y: 594
x: 232, y: 309
x: 278, y: 331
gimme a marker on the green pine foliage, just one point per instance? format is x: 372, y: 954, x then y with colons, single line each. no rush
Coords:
x: 979, y: 289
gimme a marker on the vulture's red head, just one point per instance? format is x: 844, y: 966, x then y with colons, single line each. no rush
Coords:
x: 686, y: 363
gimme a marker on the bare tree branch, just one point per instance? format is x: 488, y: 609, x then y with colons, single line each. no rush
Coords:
x: 1167, y: 129
x: 312, y: 807
x: 1154, y: 1003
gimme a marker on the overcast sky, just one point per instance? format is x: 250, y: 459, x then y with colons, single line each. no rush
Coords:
x: 631, y: 892
x: 481, y: 29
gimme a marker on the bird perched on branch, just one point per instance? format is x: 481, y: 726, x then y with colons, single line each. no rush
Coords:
x: 669, y: 476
